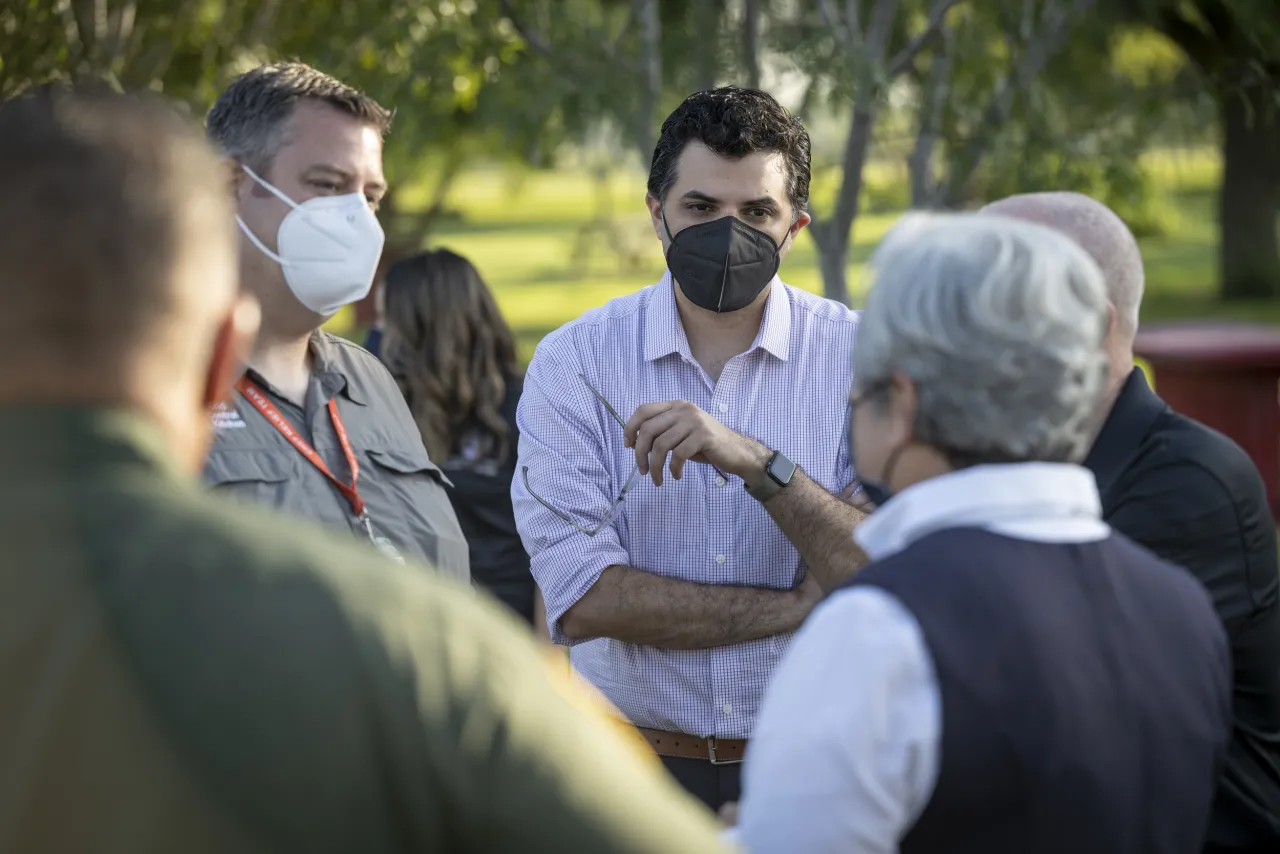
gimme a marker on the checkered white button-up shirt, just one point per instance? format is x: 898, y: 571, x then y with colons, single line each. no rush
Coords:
x: 789, y: 391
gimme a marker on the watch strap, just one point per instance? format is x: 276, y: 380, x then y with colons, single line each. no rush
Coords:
x: 769, y: 485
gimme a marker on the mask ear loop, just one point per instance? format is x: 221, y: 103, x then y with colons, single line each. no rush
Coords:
x: 886, y: 477
x: 671, y: 240
x: 269, y: 187
x: 253, y: 238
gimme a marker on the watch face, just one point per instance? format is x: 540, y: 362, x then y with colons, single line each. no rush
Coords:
x: 781, y: 469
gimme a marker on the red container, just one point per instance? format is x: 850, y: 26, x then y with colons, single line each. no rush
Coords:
x: 1226, y: 376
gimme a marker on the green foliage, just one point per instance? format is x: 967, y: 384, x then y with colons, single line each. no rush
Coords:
x: 1084, y: 122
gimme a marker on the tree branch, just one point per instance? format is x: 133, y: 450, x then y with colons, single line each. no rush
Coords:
x: 879, y: 30
x: 1043, y: 46
x: 843, y: 33
x: 853, y: 17
x: 536, y: 43
x: 651, y: 60
x: 933, y: 98
x: 262, y: 24
x: 751, y: 42
x: 1219, y: 19
x: 1195, y: 42
x: 908, y: 54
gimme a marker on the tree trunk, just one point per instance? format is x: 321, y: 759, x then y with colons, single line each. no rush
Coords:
x: 836, y: 235
x: 1249, y: 197
x: 651, y: 51
x: 706, y: 16
x: 833, y: 263
x: 751, y: 42
x: 933, y: 98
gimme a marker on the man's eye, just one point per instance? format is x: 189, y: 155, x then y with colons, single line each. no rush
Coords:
x: 698, y: 207
x: 760, y: 213
x: 327, y: 186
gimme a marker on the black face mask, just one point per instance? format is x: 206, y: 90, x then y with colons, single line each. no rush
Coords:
x: 721, y: 265
x: 878, y: 491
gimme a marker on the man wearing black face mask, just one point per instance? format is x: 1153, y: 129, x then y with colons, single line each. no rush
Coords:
x: 678, y: 598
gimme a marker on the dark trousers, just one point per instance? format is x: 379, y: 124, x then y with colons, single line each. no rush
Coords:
x: 714, y: 785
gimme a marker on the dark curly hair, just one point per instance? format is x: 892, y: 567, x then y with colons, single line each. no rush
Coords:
x: 450, y: 351
x: 733, y: 122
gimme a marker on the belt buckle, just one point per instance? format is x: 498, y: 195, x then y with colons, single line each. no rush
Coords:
x: 711, y: 754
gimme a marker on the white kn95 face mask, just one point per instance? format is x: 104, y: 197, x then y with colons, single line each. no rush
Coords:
x: 329, y: 248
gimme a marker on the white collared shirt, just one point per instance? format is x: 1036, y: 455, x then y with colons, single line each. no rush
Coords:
x: 845, y: 753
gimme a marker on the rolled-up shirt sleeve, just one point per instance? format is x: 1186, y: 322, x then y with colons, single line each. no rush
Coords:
x: 562, y: 450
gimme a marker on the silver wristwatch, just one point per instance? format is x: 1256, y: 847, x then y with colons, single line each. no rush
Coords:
x: 778, y: 473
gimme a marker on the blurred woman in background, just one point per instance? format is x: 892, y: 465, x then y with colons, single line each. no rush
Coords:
x: 454, y: 358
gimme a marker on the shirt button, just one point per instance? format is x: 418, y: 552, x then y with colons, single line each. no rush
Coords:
x: 719, y: 558
x: 719, y: 481
x: 728, y: 708
x: 723, y: 407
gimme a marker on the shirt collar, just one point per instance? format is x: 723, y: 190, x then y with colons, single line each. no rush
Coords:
x: 328, y: 370
x: 326, y: 373
x: 1131, y: 416
x: 981, y: 496
x: 664, y: 333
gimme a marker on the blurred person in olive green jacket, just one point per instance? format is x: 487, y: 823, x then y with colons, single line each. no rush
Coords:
x: 182, y: 675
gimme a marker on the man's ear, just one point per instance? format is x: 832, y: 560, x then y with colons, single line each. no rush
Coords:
x: 801, y: 221
x: 654, y: 204
x: 235, y: 176
x: 231, y: 348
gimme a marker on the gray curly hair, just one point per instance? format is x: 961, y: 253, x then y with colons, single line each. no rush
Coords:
x: 1000, y: 324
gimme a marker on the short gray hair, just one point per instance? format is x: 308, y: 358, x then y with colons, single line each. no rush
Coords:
x: 1100, y: 231
x: 1000, y: 325
x: 250, y: 119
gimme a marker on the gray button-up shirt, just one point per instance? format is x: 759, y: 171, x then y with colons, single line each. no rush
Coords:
x: 404, y: 491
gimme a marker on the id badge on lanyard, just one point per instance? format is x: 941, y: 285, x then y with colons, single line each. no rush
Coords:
x: 268, y: 409
x: 381, y: 543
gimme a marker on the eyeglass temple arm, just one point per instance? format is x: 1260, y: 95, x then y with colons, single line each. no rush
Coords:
x: 618, y: 418
x: 590, y: 532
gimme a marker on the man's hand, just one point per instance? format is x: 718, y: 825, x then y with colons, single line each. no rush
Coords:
x: 729, y: 814
x: 687, y: 433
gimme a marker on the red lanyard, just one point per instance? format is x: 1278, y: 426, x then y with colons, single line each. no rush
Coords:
x: 255, y: 396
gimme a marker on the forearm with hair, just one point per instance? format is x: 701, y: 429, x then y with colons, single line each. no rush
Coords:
x: 820, y: 525
x: 631, y: 605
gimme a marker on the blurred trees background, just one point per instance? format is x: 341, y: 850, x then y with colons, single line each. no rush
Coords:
x: 979, y: 98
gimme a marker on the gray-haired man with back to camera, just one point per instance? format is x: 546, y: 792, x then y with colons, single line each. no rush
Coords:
x: 317, y: 427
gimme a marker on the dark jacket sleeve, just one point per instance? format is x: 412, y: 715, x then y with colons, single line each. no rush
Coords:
x: 1185, y: 514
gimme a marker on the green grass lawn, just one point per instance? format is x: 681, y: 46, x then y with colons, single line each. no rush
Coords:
x: 521, y: 230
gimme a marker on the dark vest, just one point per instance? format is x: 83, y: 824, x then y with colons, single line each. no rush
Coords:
x: 1085, y: 694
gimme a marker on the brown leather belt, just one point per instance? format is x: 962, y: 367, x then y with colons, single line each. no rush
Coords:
x: 676, y: 745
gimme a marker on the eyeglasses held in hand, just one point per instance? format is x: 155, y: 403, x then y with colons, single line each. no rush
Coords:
x: 617, y: 502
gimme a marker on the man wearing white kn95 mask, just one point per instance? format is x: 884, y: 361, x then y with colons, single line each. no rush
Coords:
x: 317, y: 427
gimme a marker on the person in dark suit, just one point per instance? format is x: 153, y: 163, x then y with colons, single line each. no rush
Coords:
x: 1192, y: 496
x: 454, y: 358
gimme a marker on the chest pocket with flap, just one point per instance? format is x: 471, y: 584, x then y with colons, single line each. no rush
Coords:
x: 408, y: 502
x: 260, y: 477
